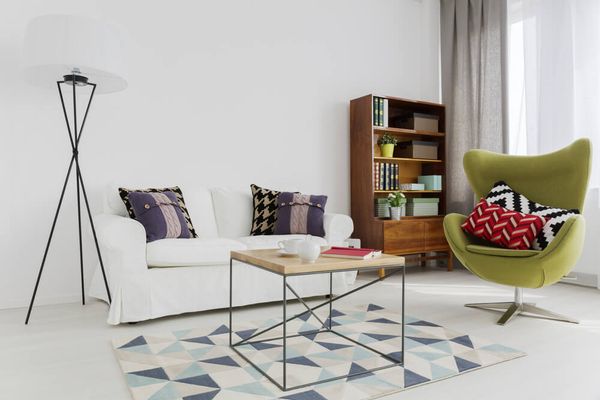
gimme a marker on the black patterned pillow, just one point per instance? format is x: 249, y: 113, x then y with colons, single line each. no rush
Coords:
x: 504, y: 196
x: 124, y: 194
x: 265, y: 210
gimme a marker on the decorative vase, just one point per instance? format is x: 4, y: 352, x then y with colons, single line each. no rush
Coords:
x: 387, y: 150
x: 395, y: 213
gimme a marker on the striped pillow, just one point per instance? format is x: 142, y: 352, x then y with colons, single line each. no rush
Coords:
x: 161, y: 215
x: 299, y: 213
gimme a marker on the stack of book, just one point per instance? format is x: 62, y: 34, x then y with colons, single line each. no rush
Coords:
x: 386, y: 176
x: 412, y: 186
x: 382, y: 208
x: 422, y: 206
x: 431, y: 182
x: 351, y: 252
x: 380, y: 112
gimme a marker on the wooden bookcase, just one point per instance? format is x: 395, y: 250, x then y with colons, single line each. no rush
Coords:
x: 419, y: 237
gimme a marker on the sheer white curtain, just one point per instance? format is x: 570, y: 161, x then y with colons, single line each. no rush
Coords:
x: 554, y: 75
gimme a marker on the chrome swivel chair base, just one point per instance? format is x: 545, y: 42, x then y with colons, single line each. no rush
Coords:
x: 513, y: 308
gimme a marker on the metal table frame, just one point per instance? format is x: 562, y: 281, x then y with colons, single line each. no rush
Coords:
x: 325, y: 325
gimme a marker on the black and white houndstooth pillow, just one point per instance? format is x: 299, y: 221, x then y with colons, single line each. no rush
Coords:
x: 265, y: 210
x: 502, y: 195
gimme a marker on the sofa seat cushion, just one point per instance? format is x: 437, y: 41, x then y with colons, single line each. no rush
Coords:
x: 500, y: 252
x: 190, y: 252
x: 270, y: 241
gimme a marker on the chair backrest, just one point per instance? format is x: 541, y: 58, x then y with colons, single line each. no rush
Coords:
x: 557, y: 179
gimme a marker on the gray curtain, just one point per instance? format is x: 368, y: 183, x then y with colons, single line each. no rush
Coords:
x: 473, y: 56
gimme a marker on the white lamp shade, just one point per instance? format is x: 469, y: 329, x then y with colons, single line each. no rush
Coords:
x: 56, y: 45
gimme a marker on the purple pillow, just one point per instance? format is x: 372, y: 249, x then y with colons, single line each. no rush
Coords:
x: 160, y: 214
x: 300, y: 213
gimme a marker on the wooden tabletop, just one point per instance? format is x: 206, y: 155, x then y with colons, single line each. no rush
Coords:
x: 271, y: 260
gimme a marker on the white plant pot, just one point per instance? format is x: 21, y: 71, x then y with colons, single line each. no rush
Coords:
x: 396, y: 213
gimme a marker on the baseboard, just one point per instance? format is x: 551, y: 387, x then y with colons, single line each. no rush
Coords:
x: 581, y: 279
x: 39, y: 301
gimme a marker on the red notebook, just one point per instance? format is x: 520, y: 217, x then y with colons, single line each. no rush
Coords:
x: 351, y: 252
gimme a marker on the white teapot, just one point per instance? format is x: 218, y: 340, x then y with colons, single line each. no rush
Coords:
x: 309, y: 250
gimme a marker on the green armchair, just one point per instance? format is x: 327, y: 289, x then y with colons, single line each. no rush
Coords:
x: 556, y: 179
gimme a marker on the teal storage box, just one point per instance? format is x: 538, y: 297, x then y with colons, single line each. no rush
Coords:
x: 432, y: 182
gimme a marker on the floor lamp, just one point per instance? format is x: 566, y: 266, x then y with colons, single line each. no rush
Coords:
x: 84, y: 55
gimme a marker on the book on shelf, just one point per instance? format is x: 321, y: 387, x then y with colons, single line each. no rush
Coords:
x: 380, y: 111
x: 355, y: 253
x: 386, y: 176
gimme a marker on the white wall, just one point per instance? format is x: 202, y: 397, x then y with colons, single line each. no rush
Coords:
x: 220, y: 93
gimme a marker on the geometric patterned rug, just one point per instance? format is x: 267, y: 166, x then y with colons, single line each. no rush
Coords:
x: 197, y: 364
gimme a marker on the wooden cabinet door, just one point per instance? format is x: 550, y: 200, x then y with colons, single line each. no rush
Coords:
x: 403, y: 237
x: 434, y: 235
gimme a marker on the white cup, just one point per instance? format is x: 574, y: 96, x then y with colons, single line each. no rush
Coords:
x: 290, y: 246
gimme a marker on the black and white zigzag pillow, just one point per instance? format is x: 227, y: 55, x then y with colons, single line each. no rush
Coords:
x: 265, y: 210
x: 504, y: 196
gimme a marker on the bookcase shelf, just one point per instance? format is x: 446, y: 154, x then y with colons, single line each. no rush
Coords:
x: 407, y: 191
x: 423, y: 160
x: 407, y: 132
x: 412, y: 235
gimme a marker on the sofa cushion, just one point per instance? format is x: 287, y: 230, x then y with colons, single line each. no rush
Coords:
x: 500, y: 252
x: 190, y: 252
x: 265, y: 210
x: 198, y: 201
x: 161, y: 215
x: 233, y: 211
x: 300, y: 213
x: 270, y: 241
x: 175, y: 190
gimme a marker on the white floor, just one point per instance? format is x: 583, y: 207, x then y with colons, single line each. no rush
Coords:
x: 65, y: 352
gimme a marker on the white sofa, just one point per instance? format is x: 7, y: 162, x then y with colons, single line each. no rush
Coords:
x: 174, y: 276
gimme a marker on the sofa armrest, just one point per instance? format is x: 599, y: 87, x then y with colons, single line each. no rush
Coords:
x: 338, y: 228
x: 123, y: 244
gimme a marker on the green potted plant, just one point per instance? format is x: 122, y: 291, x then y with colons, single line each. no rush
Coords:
x: 396, y: 201
x: 386, y: 144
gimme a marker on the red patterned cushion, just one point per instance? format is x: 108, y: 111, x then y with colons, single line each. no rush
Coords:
x: 505, y: 228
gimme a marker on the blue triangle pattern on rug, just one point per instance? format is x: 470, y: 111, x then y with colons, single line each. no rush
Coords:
x: 200, y: 339
x: 384, y: 321
x: 156, y: 373
x: 138, y: 341
x: 374, y: 307
x: 308, y: 395
x: 334, y: 346
x: 464, y: 365
x: 302, y: 360
x: 336, y: 313
x: 220, y: 330
x: 464, y: 340
x: 192, y: 365
x: 357, y: 372
x: 245, y: 334
x: 424, y: 340
x: 411, y: 378
x: 380, y: 337
x: 203, y: 396
x: 264, y: 345
x: 200, y: 380
x: 422, y: 323
x: 225, y: 360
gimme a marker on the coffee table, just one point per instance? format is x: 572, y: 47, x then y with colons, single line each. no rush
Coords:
x: 270, y: 260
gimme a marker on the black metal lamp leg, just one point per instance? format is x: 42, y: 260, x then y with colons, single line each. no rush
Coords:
x: 60, y: 201
x: 89, y: 212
